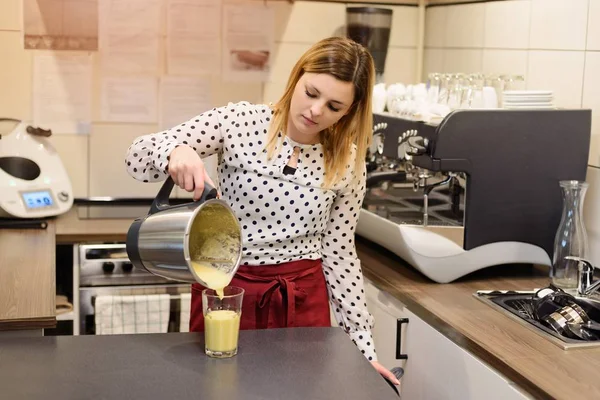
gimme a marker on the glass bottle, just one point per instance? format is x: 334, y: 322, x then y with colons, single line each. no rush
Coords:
x: 571, y: 236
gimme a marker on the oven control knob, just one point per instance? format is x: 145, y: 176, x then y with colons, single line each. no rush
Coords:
x: 127, y: 267
x: 108, y: 267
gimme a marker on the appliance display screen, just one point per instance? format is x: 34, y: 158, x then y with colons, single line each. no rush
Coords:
x: 38, y: 199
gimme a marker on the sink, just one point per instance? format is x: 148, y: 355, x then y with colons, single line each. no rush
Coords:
x: 520, y: 307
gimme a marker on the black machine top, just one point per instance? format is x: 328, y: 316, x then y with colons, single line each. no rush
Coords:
x: 513, y: 159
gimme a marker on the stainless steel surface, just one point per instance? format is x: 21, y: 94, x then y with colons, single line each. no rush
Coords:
x: 585, y: 277
x: 93, y: 271
x: 104, y: 269
x: 167, y: 238
x: 520, y: 311
x: 401, y: 204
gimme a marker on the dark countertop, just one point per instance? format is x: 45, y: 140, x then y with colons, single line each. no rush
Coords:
x: 298, y: 363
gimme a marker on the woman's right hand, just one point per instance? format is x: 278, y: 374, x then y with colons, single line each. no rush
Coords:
x: 187, y: 170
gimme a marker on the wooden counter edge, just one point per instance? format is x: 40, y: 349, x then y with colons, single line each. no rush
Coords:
x: 28, y: 323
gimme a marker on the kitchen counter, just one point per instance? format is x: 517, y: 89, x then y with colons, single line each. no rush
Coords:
x: 538, y: 366
x: 541, y: 368
x: 72, y: 229
x: 299, y: 363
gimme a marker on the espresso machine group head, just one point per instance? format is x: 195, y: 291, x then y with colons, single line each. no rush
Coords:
x: 493, y: 176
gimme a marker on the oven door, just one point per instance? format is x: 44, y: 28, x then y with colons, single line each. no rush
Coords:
x: 87, y: 298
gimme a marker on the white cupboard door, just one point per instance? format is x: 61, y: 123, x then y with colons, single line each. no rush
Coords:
x: 439, y: 369
x: 386, y: 311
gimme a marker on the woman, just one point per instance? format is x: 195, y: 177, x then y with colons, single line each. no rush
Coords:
x: 295, y: 176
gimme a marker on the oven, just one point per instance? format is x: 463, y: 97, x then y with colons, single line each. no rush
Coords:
x: 105, y: 270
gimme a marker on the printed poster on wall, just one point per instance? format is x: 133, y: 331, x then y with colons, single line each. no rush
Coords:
x: 130, y: 36
x: 129, y: 99
x: 248, y: 41
x: 60, y: 24
x: 62, y: 93
x: 193, y: 37
x: 182, y: 98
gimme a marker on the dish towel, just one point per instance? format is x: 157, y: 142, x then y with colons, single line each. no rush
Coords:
x: 184, y: 316
x: 132, y: 314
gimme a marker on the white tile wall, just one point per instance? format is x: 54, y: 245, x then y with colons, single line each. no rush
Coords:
x: 10, y: 17
x: 507, y: 24
x: 435, y: 26
x: 463, y: 60
x: 464, y: 25
x: 498, y: 61
x: 307, y: 21
x: 561, y: 71
x: 558, y: 24
x: 433, y: 61
x: 591, y: 99
x: 73, y: 151
x: 15, y: 77
x: 404, y: 26
x: 400, y: 65
x: 107, y: 174
x: 593, y: 26
x: 284, y: 59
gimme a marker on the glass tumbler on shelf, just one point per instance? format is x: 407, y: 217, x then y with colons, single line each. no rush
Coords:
x: 514, y: 82
x: 571, y: 236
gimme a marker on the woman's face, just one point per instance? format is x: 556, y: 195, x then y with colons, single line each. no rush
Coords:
x: 319, y: 101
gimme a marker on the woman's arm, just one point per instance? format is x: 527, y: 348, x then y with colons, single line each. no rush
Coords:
x: 148, y: 159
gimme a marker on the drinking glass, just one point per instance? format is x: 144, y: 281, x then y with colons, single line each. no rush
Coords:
x: 222, y: 321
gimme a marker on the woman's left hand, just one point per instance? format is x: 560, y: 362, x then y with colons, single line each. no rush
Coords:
x: 385, y: 372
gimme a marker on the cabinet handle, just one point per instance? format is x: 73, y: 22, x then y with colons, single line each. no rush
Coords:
x: 399, y: 323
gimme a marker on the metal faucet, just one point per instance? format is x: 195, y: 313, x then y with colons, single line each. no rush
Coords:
x: 585, y: 277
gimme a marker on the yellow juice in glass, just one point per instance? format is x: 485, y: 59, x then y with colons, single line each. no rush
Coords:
x: 221, y: 331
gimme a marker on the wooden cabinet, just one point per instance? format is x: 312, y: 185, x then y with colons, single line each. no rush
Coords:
x: 435, y: 368
x: 27, y: 282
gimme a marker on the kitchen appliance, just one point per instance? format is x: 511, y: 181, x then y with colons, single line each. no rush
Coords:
x: 170, y: 238
x: 371, y: 26
x: 479, y: 189
x: 104, y: 269
x: 33, y: 180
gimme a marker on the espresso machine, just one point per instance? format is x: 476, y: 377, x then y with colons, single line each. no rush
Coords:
x: 476, y: 190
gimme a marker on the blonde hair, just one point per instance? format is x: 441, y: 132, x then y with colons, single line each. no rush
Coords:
x: 347, y: 61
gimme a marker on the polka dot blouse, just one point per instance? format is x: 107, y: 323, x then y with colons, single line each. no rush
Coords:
x: 284, y: 217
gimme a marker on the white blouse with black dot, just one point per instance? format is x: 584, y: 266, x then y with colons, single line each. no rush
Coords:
x: 284, y: 217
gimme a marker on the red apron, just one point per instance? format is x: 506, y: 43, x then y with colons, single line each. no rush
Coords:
x: 276, y: 296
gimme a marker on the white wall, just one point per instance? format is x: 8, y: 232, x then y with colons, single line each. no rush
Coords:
x: 95, y: 162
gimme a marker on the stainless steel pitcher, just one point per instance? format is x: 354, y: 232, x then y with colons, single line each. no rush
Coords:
x: 169, y: 238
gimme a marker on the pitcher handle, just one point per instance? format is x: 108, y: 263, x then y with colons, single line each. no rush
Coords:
x: 161, y: 202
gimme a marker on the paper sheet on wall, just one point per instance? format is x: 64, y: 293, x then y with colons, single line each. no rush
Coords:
x: 183, y: 98
x: 130, y: 35
x: 248, y: 38
x: 62, y: 86
x: 129, y: 99
x: 193, y: 36
x: 60, y: 24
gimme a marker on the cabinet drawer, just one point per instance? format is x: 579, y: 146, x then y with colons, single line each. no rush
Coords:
x: 439, y: 369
